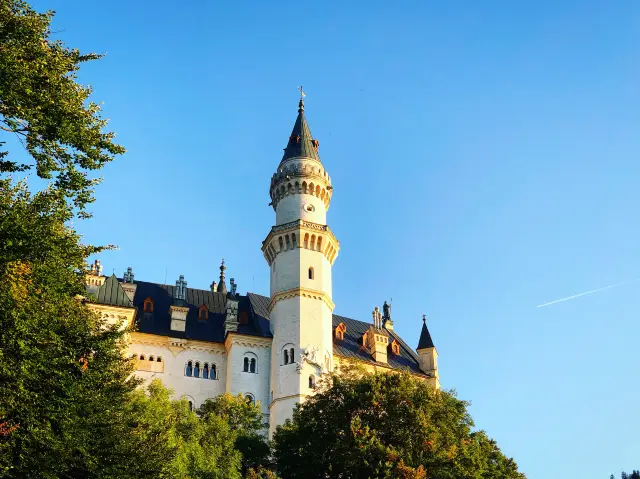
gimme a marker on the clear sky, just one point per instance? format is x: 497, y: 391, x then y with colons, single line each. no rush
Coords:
x: 485, y: 159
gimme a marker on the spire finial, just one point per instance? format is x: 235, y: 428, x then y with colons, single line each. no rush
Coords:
x: 222, y: 287
x: 301, y: 102
x: 424, y: 318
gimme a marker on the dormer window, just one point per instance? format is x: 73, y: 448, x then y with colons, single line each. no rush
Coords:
x: 243, y: 318
x: 340, y: 330
x: 148, y: 305
x: 203, y: 312
x: 395, y: 347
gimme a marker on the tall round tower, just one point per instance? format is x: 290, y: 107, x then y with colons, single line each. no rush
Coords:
x: 300, y: 250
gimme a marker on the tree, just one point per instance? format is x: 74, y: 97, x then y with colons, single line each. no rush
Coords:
x: 386, y: 426
x: 66, y: 384
x: 246, y: 421
x: 43, y: 106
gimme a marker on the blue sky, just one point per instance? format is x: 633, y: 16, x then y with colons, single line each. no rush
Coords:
x: 484, y: 157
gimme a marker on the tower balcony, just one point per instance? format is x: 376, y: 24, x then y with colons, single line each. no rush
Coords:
x: 300, y: 234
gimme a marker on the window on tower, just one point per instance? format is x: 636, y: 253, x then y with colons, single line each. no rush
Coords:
x: 250, y: 363
x: 310, y: 273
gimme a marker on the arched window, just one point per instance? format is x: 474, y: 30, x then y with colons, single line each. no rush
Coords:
x: 214, y: 372
x: 340, y: 330
x: 203, y: 312
x: 189, y: 369
x: 190, y: 405
x: 310, y: 273
x: 148, y: 305
x: 250, y: 363
x: 286, y: 356
x: 142, y: 357
x: 205, y: 371
x: 196, y: 370
x: 312, y: 381
x: 249, y: 398
x: 291, y: 356
x: 151, y: 358
x: 159, y: 359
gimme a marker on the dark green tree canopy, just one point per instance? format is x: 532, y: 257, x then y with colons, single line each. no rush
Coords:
x: 42, y: 105
x: 386, y: 426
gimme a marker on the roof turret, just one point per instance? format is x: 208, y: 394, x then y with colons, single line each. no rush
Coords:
x: 425, y: 337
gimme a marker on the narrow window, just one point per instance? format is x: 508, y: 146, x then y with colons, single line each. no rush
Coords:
x: 151, y: 358
x: 249, y: 399
x: 189, y: 370
x: 142, y: 357
x: 148, y: 305
x: 214, y: 372
x: 310, y: 273
x: 291, y: 356
x: 196, y: 371
x: 246, y: 365
x: 286, y: 356
x: 205, y: 371
x: 312, y: 381
x: 252, y: 367
x: 190, y: 406
x: 159, y: 359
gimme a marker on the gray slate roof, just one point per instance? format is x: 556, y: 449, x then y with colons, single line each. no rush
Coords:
x: 112, y: 293
x: 425, y: 337
x: 256, y: 309
x: 302, y: 146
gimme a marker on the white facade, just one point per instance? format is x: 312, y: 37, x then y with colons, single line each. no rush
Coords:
x: 279, y: 371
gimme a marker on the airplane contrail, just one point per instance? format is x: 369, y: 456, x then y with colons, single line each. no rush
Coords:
x: 580, y: 294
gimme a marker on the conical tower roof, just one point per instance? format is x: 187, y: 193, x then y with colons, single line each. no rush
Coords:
x: 425, y: 337
x: 301, y: 143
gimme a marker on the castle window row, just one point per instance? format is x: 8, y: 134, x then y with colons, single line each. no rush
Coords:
x: 206, y: 371
x: 151, y: 357
x: 311, y: 242
x: 300, y: 188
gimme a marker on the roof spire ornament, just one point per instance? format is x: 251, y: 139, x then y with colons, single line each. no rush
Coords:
x: 301, y: 102
x: 222, y: 287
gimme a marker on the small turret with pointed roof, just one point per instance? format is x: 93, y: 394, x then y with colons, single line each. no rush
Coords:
x: 222, y: 287
x: 425, y: 336
x: 427, y: 354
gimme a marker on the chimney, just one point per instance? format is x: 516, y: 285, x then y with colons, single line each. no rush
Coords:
x: 377, y: 338
x: 127, y: 285
x: 178, y: 310
x: 231, y: 319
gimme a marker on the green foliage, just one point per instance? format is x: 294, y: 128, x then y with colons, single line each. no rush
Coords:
x: 65, y: 382
x: 242, y: 415
x: 42, y: 105
x: 386, y: 426
x: 246, y: 421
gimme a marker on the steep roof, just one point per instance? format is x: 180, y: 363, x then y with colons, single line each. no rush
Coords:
x: 255, y: 308
x: 425, y: 337
x: 300, y: 142
x: 110, y: 292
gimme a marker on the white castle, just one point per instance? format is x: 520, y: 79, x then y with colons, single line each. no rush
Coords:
x: 272, y: 350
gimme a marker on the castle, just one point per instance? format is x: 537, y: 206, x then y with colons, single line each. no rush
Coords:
x: 272, y: 350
